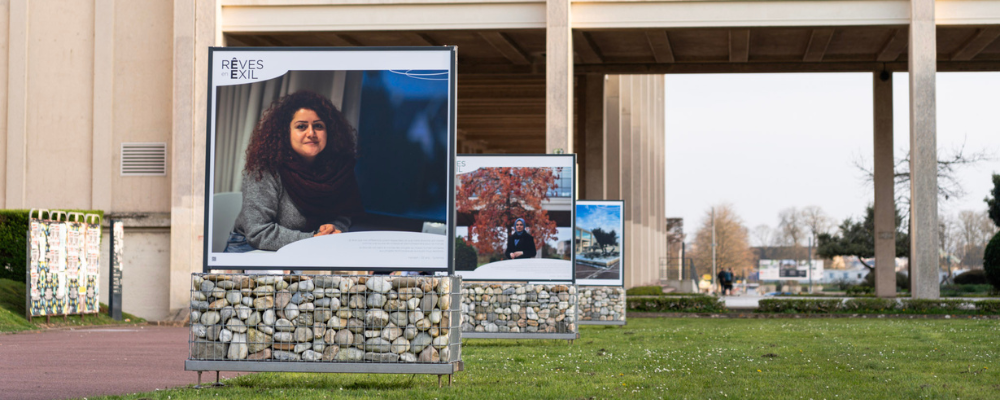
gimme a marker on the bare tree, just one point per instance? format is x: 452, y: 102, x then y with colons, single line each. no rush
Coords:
x: 949, y: 185
x: 791, y: 227
x: 974, y: 231
x: 762, y: 236
x: 731, y: 238
x: 948, y: 239
x: 816, y: 221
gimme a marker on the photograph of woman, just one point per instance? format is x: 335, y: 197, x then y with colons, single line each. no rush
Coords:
x: 299, y: 180
x: 520, y: 244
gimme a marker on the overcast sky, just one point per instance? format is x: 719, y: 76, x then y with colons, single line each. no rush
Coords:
x: 765, y: 142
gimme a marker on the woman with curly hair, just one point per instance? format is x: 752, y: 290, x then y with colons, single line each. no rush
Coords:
x: 298, y: 181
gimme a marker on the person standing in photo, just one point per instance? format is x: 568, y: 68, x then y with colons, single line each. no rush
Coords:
x: 520, y: 244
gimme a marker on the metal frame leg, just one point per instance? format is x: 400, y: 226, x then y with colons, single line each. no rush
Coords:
x: 217, y: 380
x: 198, y: 386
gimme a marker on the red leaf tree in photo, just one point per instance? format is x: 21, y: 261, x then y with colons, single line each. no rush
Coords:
x: 496, y: 197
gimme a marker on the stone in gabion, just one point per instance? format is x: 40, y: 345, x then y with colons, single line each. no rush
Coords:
x: 321, y: 318
x: 516, y: 308
x: 602, y: 304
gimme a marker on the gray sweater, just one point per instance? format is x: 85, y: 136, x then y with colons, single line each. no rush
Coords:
x: 269, y: 218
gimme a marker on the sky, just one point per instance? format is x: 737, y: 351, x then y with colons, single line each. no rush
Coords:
x: 766, y: 142
x: 595, y: 216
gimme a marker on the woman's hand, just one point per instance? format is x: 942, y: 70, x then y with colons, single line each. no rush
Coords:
x: 516, y: 254
x: 326, y: 229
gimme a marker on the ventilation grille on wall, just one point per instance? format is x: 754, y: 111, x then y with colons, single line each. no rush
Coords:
x: 144, y: 159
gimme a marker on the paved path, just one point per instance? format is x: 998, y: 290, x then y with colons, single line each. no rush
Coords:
x: 61, y: 364
x: 745, y: 301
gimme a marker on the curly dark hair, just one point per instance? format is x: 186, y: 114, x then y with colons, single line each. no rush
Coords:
x: 270, y: 144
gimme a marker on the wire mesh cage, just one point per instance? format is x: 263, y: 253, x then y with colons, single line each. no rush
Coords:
x: 602, y: 304
x: 374, y: 319
x: 519, y: 308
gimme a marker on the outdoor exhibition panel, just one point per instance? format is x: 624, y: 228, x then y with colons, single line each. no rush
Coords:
x: 519, y: 311
x: 64, y: 263
x: 599, y: 247
x: 515, y: 218
x: 325, y: 323
x: 330, y: 159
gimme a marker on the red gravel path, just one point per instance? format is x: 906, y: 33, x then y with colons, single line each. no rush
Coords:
x: 78, y: 363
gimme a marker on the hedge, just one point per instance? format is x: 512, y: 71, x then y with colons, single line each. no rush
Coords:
x: 645, y: 291
x: 704, y: 304
x: 14, y: 242
x: 880, y: 306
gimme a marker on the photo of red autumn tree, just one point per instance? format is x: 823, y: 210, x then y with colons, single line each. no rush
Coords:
x: 496, y: 197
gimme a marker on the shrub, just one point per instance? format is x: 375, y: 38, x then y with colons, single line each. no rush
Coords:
x: 869, y: 305
x: 14, y: 242
x: 926, y: 306
x: 806, y: 306
x: 860, y: 290
x: 973, y: 277
x: 988, y: 307
x: 965, y: 290
x: 645, y: 291
x: 465, y: 256
x: 991, y: 261
x: 677, y: 304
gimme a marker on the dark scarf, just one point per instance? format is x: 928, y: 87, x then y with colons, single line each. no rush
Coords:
x: 322, y: 194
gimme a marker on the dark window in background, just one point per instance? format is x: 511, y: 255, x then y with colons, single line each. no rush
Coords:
x: 403, y: 144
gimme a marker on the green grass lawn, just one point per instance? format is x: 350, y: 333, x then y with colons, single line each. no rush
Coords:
x: 688, y: 358
x: 12, y: 313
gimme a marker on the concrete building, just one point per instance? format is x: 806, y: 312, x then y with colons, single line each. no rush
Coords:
x: 85, y: 81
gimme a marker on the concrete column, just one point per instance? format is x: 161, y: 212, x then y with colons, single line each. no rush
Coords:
x: 102, y: 162
x: 924, y: 262
x: 558, y: 77
x: 885, y: 224
x: 649, y: 269
x: 627, y: 177
x: 194, y: 31
x: 612, y: 139
x: 593, y: 111
x: 638, y: 214
x: 17, y: 106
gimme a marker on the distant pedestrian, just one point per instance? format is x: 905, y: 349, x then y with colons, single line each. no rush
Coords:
x: 727, y: 281
x: 721, y: 276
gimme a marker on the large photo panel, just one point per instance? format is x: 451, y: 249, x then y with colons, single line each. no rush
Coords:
x: 330, y: 159
x: 514, y: 217
x: 599, y: 243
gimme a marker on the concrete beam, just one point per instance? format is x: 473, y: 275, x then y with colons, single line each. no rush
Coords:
x: 558, y: 78
x: 979, y: 41
x: 769, y: 67
x: 739, y: 45
x: 924, y: 262
x: 505, y: 46
x: 819, y: 40
x: 586, y: 49
x: 893, y: 47
x: 659, y: 44
x: 365, y: 16
x: 602, y: 14
x: 884, y: 182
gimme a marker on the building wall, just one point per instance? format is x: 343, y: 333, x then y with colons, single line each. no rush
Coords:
x: 82, y: 77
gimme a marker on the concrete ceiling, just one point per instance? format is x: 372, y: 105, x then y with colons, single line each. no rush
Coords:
x: 501, y: 92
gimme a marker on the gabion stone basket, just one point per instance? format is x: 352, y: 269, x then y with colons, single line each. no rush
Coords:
x: 324, y: 323
x: 602, y: 305
x: 519, y: 311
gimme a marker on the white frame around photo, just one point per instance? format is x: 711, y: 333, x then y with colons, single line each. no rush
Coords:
x: 380, y: 251
x: 536, y: 269
x: 618, y: 205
